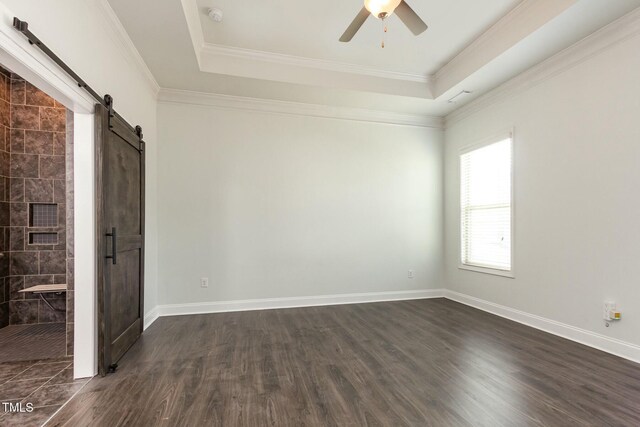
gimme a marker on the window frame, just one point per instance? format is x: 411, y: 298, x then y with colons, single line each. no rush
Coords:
x: 495, y: 138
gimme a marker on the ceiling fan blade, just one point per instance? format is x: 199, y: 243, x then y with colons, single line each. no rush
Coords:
x: 410, y: 18
x: 355, y: 25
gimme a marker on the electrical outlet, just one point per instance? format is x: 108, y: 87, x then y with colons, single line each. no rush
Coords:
x: 411, y: 275
x: 608, y: 309
x: 204, y: 282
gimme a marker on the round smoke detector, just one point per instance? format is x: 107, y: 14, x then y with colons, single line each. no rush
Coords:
x: 215, y: 14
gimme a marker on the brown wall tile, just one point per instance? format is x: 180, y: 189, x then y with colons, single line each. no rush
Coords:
x: 5, y: 163
x: 19, y: 214
x: 70, y: 339
x: 4, y: 266
x: 7, y: 189
x: 38, y: 142
x: 25, y: 166
x: 4, y: 94
x: 70, y: 316
x: 62, y: 214
x: 52, y: 167
x: 16, y: 191
x: 5, y: 113
x: 4, y: 242
x: 35, y: 247
x: 16, y: 284
x: 35, y: 96
x: 8, y: 88
x: 3, y: 138
x: 24, y: 263
x: 23, y: 312
x: 17, y: 239
x: 25, y: 117
x: 43, y: 279
x: 70, y: 274
x: 56, y: 315
x: 38, y: 190
x: 53, y: 262
x: 60, y: 195
x: 59, y: 143
x: 16, y: 141
x: 18, y: 92
x: 62, y: 239
x: 70, y: 234
x: 53, y: 119
x: 4, y: 214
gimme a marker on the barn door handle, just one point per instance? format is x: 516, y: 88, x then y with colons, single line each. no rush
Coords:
x: 114, y: 251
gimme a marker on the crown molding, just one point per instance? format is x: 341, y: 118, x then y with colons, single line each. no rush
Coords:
x: 192, y: 16
x: 128, y: 48
x: 509, y: 30
x: 624, y: 28
x: 232, y: 102
x: 304, y: 62
x: 521, y: 10
x: 264, y: 65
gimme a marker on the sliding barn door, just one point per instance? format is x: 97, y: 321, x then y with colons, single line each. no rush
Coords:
x: 120, y: 236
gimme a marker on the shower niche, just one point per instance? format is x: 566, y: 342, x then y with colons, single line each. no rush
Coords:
x: 43, y: 218
x: 43, y: 215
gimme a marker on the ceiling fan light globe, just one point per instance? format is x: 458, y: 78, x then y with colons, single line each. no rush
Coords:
x: 381, y: 8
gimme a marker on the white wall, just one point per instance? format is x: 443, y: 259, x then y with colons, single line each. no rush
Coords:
x: 577, y: 177
x: 271, y: 206
x: 80, y: 32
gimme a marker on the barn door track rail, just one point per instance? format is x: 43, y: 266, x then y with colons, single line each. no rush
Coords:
x: 106, y: 101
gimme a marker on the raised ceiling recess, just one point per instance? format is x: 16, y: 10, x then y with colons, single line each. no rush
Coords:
x: 289, y: 50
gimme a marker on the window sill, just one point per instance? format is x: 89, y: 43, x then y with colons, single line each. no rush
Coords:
x: 485, y: 270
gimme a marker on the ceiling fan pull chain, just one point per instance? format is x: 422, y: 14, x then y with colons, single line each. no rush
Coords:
x: 384, y: 30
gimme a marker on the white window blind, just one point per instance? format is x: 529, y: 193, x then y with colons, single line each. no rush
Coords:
x: 485, y: 179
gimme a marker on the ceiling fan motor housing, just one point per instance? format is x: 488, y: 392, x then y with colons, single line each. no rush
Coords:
x: 381, y: 8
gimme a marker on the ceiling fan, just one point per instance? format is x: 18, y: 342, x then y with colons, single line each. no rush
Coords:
x: 381, y: 9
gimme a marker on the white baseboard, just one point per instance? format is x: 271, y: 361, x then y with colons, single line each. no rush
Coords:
x: 614, y: 346
x: 150, y: 317
x: 292, y: 302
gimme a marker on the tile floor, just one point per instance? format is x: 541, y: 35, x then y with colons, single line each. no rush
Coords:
x: 46, y: 384
x: 32, y: 342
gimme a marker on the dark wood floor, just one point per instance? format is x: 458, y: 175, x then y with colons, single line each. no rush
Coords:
x: 426, y: 363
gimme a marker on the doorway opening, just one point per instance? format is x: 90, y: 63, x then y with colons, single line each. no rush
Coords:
x: 36, y: 238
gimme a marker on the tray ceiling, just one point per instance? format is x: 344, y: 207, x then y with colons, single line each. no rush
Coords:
x: 311, y: 30
x: 288, y: 50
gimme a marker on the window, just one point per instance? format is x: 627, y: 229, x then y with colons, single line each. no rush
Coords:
x: 486, y: 207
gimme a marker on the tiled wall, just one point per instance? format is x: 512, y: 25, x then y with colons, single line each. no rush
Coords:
x: 5, y: 117
x: 37, y: 146
x: 70, y: 249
